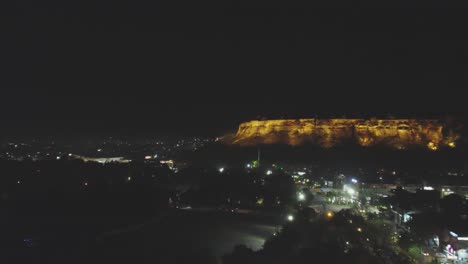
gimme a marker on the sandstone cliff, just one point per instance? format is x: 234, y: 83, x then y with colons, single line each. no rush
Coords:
x: 396, y: 133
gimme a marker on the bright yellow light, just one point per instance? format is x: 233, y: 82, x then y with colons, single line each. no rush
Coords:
x: 359, y: 229
x: 451, y: 144
x: 329, y: 214
x: 432, y: 146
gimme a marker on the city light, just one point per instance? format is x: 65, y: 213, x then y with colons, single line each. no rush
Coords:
x: 428, y: 188
x: 359, y: 229
x: 269, y: 172
x: 290, y: 218
x: 353, y: 180
x: 221, y: 169
x: 329, y: 214
x: 432, y: 146
x: 349, y: 190
x: 129, y: 178
x: 301, y: 197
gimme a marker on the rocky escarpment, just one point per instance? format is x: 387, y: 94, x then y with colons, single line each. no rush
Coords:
x: 396, y: 133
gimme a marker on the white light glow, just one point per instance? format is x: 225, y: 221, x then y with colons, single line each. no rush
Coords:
x: 301, y: 197
x: 290, y: 218
x: 269, y: 172
x: 221, y: 170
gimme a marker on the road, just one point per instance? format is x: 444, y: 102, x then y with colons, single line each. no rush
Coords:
x: 186, y: 232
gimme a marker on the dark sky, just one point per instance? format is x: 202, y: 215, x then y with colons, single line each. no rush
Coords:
x: 195, y: 67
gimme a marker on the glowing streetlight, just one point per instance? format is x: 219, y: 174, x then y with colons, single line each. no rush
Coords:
x: 301, y: 197
x: 359, y: 229
x: 269, y: 172
x: 290, y: 218
x: 221, y: 170
x: 353, y: 180
x: 329, y: 214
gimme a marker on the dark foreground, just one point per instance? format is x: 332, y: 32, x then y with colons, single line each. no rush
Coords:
x: 185, y: 236
x: 178, y: 236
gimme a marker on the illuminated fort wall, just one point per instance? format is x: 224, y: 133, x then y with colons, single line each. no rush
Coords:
x: 397, y: 133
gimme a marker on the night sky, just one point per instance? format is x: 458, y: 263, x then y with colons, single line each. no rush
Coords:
x: 200, y: 67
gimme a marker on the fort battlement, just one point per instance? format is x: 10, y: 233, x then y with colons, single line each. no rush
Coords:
x: 396, y: 133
